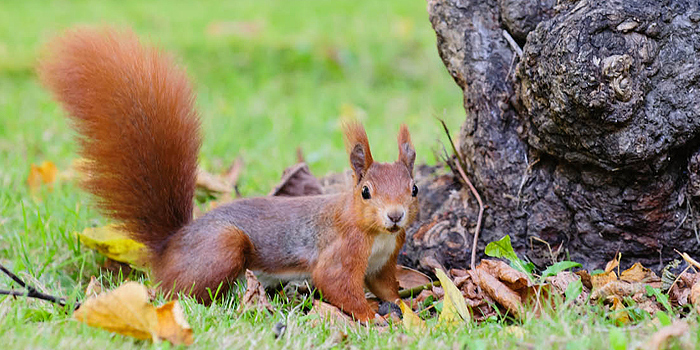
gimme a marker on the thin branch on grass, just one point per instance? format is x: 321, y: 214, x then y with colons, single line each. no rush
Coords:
x: 460, y: 167
x: 416, y: 290
x: 30, y: 292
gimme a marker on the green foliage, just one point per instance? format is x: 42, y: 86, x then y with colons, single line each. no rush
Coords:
x: 573, y: 290
x: 559, y: 267
x: 660, y: 297
x: 503, y: 249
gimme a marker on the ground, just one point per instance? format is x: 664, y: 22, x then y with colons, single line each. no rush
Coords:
x: 270, y: 76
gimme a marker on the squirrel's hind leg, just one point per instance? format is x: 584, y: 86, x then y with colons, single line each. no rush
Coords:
x: 205, y: 265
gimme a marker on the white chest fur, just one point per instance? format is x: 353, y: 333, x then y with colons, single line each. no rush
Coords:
x: 382, y: 248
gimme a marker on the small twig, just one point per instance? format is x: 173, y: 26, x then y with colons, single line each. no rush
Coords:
x: 474, y: 192
x: 677, y: 278
x: 31, y: 291
x: 688, y: 259
x: 513, y: 44
x: 415, y: 290
x: 551, y: 254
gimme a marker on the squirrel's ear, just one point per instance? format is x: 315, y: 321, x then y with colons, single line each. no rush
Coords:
x: 358, y: 148
x: 407, y: 154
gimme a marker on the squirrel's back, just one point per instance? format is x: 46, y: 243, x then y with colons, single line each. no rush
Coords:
x: 138, y: 130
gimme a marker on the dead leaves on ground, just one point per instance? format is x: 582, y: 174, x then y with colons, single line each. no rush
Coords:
x: 127, y: 310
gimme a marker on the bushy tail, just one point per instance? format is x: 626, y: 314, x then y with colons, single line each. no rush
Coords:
x: 133, y: 108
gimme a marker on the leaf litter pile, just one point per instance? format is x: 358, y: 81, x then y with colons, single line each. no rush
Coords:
x: 491, y: 290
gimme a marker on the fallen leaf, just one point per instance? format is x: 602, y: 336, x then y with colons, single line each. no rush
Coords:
x: 612, y: 264
x: 330, y: 313
x: 94, y: 288
x: 498, y: 291
x: 126, y: 310
x: 695, y: 296
x: 411, y: 321
x: 639, y: 273
x: 617, y: 288
x: 515, y: 331
x: 515, y: 279
x: 297, y: 180
x: 42, y: 174
x: 212, y: 186
x: 562, y: 283
x: 619, y: 313
x: 454, y: 307
x: 601, y: 279
x: 661, y: 337
x: 172, y: 325
x: 255, y: 296
x: 410, y: 278
x: 115, y: 244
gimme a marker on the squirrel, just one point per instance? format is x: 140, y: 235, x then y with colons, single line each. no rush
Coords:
x: 133, y: 109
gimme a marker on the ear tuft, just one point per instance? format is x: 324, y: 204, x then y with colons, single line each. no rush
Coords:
x: 407, y: 154
x: 357, y: 146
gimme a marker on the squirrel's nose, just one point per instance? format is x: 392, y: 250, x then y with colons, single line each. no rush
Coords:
x: 395, y: 216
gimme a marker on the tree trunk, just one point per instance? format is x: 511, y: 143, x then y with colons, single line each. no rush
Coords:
x: 589, y: 141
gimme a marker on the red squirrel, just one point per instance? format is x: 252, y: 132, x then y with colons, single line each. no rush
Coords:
x: 133, y: 109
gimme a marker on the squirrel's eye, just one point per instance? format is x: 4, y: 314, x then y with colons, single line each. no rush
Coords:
x: 414, y: 191
x: 365, y: 193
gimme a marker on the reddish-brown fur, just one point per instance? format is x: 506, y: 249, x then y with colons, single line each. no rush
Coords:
x: 133, y: 109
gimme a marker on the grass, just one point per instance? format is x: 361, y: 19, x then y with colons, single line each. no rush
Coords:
x: 270, y: 76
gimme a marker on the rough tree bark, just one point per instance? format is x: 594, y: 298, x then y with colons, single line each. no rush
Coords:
x: 589, y: 141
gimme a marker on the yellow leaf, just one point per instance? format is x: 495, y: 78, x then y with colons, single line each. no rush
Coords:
x: 454, y: 306
x: 127, y: 311
x: 411, y: 321
x: 515, y: 331
x: 42, y: 174
x: 639, y: 273
x: 114, y: 243
x: 601, y: 279
x: 172, y: 325
x: 612, y: 264
x: 619, y: 314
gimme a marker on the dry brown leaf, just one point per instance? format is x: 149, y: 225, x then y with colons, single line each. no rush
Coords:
x: 515, y: 279
x: 94, y: 288
x: 423, y: 296
x: 639, y: 273
x: 126, y: 310
x: 659, y: 339
x: 41, y: 174
x: 612, y: 264
x: 617, y: 288
x: 330, y: 313
x: 561, y: 282
x: 297, y: 180
x: 255, y: 296
x: 172, y: 325
x: 695, y: 296
x: 498, y: 291
x: 213, y: 185
x: 410, y: 278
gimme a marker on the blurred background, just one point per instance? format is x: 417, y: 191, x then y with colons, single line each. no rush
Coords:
x: 270, y: 76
